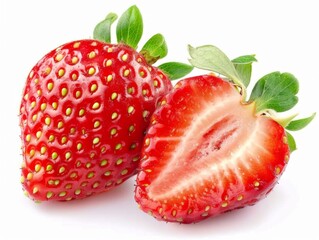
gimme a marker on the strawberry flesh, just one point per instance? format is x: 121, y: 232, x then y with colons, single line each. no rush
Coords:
x: 206, y: 153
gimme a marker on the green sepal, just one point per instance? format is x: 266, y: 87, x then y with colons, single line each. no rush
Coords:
x: 129, y: 28
x: 175, y: 70
x: 211, y: 58
x: 102, y: 30
x: 291, y: 142
x: 154, y: 49
x: 276, y: 91
x: 243, y: 66
x: 300, y: 123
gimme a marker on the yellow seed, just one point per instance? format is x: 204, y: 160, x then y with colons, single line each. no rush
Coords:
x: 145, y: 114
x: 58, y: 57
x: 109, y: 78
x: 174, y: 212
x: 74, y: 76
x: 130, y: 109
x: 35, y: 190
x: 96, y: 184
x: 285, y: 140
x: 49, y: 168
x: 130, y: 90
x: 92, y: 54
x: 54, y: 155
x: 77, y: 191
x: 114, y: 115
x: 62, y: 194
x: 31, y: 74
x: 47, y: 70
x: 43, y: 106
x: 54, y: 105
x: 135, y: 159
x: 124, y: 172
x: 147, y: 142
x: 224, y: 204
x: 103, y: 163
x: 119, y: 161
x: 139, y: 60
x: 96, y: 140
x: 74, y: 60
x: 38, y: 134
x: 131, y: 128
x: 73, y: 175
x: 278, y: 170
x: 286, y: 159
x: 60, y: 125
x: 51, y: 138
x: 97, y: 123
x: 93, y: 87
x: 79, y: 146
x: 68, y: 186
x: 118, y: 146
x: 47, y: 121
x: 107, y: 173
x: 113, y: 131
x: 126, y: 72
x: 103, y: 149
x: 72, y: 130
x: 142, y: 73
x: 43, y: 150
x: 29, y: 176
x: 68, y: 111
x: 207, y: 208
x: 205, y: 214
x: 240, y: 197
x: 91, y: 71
x: 64, y: 92
x: 34, y: 117
x: 50, y: 86
x: 133, y: 146
x: 62, y: 170
x: 144, y: 92
x: 22, y: 179
x: 67, y: 155
x: 61, y: 72
x: 114, y: 96
x: 163, y: 102
x: 37, y: 167
x: 88, y: 165
x: 90, y: 175
x: 78, y: 94
x: 110, y: 49
x: 32, y: 104
x: 155, y: 83
x: 108, y: 63
x: 56, y: 182
x: 124, y: 57
x: 256, y: 184
x: 96, y: 105
x: 31, y: 153
x: 76, y: 45
x: 26, y: 97
x: 49, y: 194
x: 28, y: 138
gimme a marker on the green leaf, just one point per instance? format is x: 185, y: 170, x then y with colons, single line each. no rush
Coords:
x: 175, y: 70
x: 291, y: 142
x: 129, y: 28
x: 155, y: 48
x: 211, y: 58
x: 243, y: 66
x: 300, y: 123
x: 276, y: 91
x: 102, y: 30
x: 246, y: 59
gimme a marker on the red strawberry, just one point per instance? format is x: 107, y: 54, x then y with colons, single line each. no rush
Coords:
x: 208, y: 151
x: 85, y: 108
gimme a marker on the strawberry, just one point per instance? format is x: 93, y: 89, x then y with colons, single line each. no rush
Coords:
x: 85, y: 109
x: 208, y: 149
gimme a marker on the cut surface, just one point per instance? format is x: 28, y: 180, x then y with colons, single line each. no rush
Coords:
x: 206, y: 148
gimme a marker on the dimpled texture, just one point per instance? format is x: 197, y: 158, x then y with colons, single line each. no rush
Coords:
x: 83, y: 115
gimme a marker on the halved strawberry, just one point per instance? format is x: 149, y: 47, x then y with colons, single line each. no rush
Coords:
x: 208, y: 150
x: 85, y: 108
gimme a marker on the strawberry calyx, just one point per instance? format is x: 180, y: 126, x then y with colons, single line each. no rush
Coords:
x: 272, y: 94
x: 129, y: 31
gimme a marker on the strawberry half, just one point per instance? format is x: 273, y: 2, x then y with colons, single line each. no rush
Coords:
x: 84, y: 112
x: 208, y: 150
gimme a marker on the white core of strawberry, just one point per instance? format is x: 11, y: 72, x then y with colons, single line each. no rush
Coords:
x: 216, y: 139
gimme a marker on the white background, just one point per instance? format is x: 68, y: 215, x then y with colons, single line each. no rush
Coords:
x: 282, y: 34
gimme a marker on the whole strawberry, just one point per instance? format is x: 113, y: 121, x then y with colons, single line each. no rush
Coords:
x: 85, y: 109
x: 208, y: 149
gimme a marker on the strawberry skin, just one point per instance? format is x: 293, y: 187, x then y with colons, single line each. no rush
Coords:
x: 207, y: 153
x: 84, y: 111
